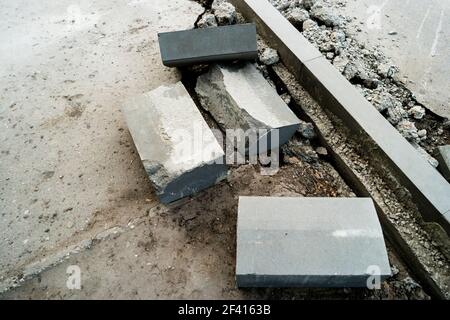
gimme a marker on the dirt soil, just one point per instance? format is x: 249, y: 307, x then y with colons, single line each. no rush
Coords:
x: 188, y: 251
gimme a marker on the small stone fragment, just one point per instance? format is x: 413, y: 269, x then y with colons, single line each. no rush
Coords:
x: 325, y: 14
x: 208, y: 20
x: 225, y: 12
x: 308, y: 4
x: 408, y: 130
x: 306, y: 130
x: 297, y: 16
x: 422, y: 133
x: 269, y: 56
x: 394, y: 271
x: 286, y: 98
x: 417, y: 112
x: 340, y: 62
x: 384, y: 101
x: 396, y: 114
x: 386, y: 70
x: 309, y: 24
x: 321, y: 151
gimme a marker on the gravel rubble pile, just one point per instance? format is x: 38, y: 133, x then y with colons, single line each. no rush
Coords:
x: 368, y: 69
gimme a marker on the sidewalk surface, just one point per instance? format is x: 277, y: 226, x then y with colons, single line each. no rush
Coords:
x: 416, y: 35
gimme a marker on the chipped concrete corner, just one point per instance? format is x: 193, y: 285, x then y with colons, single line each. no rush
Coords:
x: 165, y: 125
x: 238, y: 97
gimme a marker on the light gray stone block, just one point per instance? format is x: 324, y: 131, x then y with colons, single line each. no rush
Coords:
x: 444, y: 161
x: 309, y: 242
x: 239, y: 97
x: 188, y: 47
x: 178, y: 150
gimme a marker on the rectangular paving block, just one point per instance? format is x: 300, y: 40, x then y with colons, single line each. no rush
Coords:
x: 238, y: 97
x: 309, y: 242
x: 178, y: 150
x: 331, y: 90
x: 444, y: 161
x: 188, y: 47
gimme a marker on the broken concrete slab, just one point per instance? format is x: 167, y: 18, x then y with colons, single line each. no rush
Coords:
x: 239, y: 97
x: 188, y: 47
x: 444, y: 161
x: 225, y: 12
x: 178, y: 150
x: 309, y: 242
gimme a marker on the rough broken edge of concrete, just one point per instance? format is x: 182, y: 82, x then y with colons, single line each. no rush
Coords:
x: 383, y: 193
x: 333, y: 91
x: 218, y: 99
x: 37, y: 267
x: 153, y: 119
x: 219, y: 172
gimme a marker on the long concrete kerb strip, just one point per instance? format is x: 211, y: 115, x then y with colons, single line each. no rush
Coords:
x: 429, y: 189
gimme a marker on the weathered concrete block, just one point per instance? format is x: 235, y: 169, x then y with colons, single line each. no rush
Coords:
x: 309, y: 242
x: 176, y: 146
x: 444, y: 161
x: 239, y: 97
x: 182, y: 48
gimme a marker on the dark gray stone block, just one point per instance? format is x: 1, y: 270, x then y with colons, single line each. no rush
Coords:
x: 182, y: 48
x: 239, y: 97
x: 444, y: 161
x: 309, y: 242
x: 178, y: 150
x: 325, y: 84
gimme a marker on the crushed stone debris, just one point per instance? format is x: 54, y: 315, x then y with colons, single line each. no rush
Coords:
x: 368, y: 69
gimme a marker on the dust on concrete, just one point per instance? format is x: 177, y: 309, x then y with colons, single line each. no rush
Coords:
x: 188, y: 250
x: 68, y: 166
